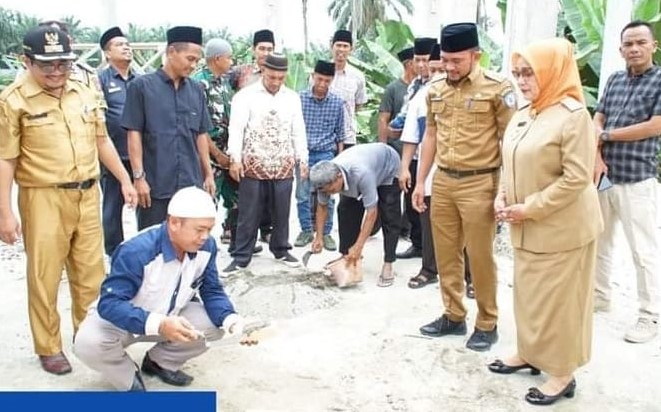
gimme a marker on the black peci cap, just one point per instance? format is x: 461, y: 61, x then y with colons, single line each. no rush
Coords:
x: 110, y: 34
x: 344, y: 36
x: 184, y: 34
x: 406, y: 54
x: 325, y: 68
x: 459, y: 37
x: 422, y: 45
x: 263, y: 36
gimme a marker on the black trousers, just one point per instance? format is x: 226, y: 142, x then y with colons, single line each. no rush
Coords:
x: 113, y: 204
x: 253, y: 194
x: 350, y: 212
x: 153, y: 215
x: 412, y: 215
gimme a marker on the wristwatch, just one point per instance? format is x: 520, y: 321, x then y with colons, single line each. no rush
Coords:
x: 604, y: 136
x: 138, y: 174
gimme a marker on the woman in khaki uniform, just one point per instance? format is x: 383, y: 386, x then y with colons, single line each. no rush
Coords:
x: 548, y: 197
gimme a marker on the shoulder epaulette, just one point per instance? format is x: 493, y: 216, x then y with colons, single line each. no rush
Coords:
x: 492, y: 75
x: 86, y: 67
x: 571, y: 104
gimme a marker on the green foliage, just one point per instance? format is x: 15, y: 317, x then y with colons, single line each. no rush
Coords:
x: 360, y: 16
x: 375, y: 56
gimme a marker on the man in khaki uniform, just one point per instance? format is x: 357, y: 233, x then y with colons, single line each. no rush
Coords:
x: 468, y: 111
x: 80, y: 71
x: 52, y: 135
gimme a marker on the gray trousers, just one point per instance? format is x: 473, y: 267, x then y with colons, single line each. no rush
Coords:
x: 101, y: 345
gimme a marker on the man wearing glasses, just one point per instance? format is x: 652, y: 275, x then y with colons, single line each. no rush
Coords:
x: 52, y: 135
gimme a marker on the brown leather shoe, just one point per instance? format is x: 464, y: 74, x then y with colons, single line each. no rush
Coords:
x: 55, y: 364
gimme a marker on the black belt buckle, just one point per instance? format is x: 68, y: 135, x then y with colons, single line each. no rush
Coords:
x: 458, y: 174
x: 84, y: 185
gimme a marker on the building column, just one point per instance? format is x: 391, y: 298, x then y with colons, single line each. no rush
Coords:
x: 618, y: 14
x: 527, y: 21
x: 436, y: 13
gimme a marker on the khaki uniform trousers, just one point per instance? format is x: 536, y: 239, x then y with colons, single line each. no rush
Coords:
x: 101, y: 345
x: 61, y: 229
x: 462, y: 214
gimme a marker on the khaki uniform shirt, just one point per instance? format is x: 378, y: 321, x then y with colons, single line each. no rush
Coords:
x: 53, y: 140
x: 548, y: 159
x: 470, y: 119
x: 86, y: 75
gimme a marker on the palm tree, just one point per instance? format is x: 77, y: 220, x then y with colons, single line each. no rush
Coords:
x: 360, y: 15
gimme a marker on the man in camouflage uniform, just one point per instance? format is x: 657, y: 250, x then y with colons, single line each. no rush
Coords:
x: 218, y: 93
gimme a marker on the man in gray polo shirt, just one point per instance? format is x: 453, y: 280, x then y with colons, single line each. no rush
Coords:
x: 366, y: 178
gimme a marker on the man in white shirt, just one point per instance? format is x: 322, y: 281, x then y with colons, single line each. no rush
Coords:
x: 267, y: 141
x: 348, y: 83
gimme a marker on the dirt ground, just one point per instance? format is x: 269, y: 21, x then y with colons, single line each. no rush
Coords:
x: 357, y: 349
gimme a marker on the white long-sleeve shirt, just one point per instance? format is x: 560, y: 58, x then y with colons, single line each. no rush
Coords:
x: 414, y: 128
x: 267, y: 132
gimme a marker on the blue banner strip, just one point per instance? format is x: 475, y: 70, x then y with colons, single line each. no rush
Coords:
x: 108, y: 401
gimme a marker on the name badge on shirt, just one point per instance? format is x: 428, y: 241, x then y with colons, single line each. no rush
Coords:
x: 114, y: 89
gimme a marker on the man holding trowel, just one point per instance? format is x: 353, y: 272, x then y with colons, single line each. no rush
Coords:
x: 366, y: 178
x: 163, y: 287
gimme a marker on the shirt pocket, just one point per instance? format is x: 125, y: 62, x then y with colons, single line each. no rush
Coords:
x: 191, y: 121
x: 478, y: 112
x: 39, y: 133
x: 438, y: 108
x: 641, y: 106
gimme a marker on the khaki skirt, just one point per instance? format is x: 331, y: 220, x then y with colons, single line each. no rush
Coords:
x: 553, y: 308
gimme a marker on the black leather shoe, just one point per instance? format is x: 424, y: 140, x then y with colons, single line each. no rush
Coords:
x: 537, y: 397
x: 498, y: 366
x: 481, y: 340
x: 176, y: 378
x: 443, y: 326
x: 233, y: 268
x: 411, y: 252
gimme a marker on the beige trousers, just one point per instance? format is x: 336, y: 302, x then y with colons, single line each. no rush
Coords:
x: 61, y: 229
x: 462, y: 214
x: 635, y: 206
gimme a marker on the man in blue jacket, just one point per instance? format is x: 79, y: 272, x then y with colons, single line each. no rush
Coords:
x: 151, y: 295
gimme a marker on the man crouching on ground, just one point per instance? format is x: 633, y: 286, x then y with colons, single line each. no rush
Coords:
x: 151, y: 295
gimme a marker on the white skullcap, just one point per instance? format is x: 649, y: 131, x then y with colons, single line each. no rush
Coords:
x: 192, y: 202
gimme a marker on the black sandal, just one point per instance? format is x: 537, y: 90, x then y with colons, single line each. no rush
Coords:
x: 421, y: 280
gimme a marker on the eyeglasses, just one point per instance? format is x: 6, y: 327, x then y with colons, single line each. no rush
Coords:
x: 525, y: 73
x: 48, y: 68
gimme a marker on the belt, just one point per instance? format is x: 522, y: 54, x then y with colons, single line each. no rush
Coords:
x: 458, y: 174
x: 84, y: 185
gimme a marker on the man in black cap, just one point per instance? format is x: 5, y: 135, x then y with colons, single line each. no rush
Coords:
x: 263, y: 43
x: 52, y: 136
x: 167, y: 121
x: 80, y: 72
x: 114, y: 81
x: 411, y: 219
x: 323, y: 113
x: 467, y: 115
x: 393, y: 98
x: 266, y: 143
x: 348, y: 83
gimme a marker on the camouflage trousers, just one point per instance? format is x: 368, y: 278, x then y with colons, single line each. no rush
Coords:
x: 227, y: 191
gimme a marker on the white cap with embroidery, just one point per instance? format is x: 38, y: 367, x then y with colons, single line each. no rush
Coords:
x: 192, y: 202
